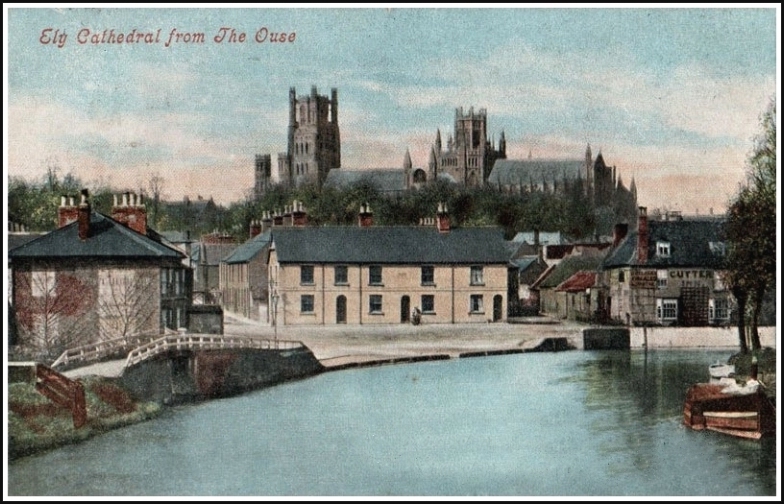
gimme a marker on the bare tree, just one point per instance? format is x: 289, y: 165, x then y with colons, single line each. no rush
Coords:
x: 126, y: 302
x: 155, y: 186
x: 53, y: 312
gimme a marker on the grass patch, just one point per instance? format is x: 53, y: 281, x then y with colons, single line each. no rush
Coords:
x: 36, y: 424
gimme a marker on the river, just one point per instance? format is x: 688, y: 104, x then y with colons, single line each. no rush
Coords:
x: 544, y: 424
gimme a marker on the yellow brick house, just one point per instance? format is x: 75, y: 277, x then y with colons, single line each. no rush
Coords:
x: 379, y: 275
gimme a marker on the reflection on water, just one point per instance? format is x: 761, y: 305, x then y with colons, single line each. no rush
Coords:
x: 570, y: 423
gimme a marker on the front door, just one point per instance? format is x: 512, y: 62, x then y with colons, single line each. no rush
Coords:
x: 498, y: 302
x: 340, y: 308
x: 405, y: 309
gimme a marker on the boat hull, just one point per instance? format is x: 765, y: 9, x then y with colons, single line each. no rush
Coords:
x: 749, y: 416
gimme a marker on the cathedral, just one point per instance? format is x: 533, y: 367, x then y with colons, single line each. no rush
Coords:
x: 313, y: 143
x: 468, y: 159
x: 469, y: 155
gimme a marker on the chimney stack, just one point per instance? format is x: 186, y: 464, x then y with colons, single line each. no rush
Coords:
x: 642, y: 236
x: 84, y: 216
x: 365, y: 215
x: 266, y: 221
x: 619, y: 233
x: 442, y: 219
x: 299, y: 216
x: 67, y: 212
x: 131, y: 212
x: 255, y: 228
x: 287, y: 219
x: 277, y: 219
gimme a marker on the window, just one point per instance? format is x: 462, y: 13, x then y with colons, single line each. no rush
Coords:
x: 718, y: 248
x: 375, y: 275
x: 477, y: 275
x: 306, y: 303
x: 341, y: 275
x: 375, y: 303
x: 166, y: 318
x: 428, y: 303
x: 621, y: 276
x: 43, y: 283
x: 179, y: 280
x: 477, y: 303
x: 428, y: 277
x: 306, y: 275
x: 165, y: 276
x: 666, y: 309
x: 718, y: 309
x: 718, y: 281
x: 663, y: 249
x: 661, y: 279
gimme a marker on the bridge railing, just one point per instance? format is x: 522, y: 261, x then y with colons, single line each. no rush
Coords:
x: 93, y: 352
x: 204, y: 342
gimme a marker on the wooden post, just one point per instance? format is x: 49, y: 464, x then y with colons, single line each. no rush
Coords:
x: 79, y: 407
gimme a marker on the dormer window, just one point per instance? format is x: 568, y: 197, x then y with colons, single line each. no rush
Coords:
x: 718, y: 248
x: 663, y: 249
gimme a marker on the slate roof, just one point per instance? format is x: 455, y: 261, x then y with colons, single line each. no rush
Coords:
x: 177, y: 236
x: 213, y: 253
x: 527, y: 171
x: 109, y: 239
x: 19, y: 239
x: 390, y: 245
x: 248, y: 250
x: 523, y: 263
x: 690, y: 245
x: 545, y: 238
x: 578, y: 282
x: 569, y: 267
x: 384, y: 180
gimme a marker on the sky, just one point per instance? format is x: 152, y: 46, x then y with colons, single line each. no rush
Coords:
x: 670, y: 96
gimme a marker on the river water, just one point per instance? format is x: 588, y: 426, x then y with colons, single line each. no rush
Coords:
x: 552, y: 424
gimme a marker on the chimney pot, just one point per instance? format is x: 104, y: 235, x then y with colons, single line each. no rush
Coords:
x: 125, y: 199
x: 62, y: 201
x: 442, y: 219
x: 83, y: 216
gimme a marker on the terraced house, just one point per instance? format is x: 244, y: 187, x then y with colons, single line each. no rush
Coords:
x: 668, y: 272
x: 378, y: 275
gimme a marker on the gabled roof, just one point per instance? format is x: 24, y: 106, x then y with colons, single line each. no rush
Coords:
x: 528, y: 171
x: 213, y: 253
x: 390, y: 245
x: 578, y: 282
x: 690, y: 245
x: 569, y: 267
x: 108, y: 239
x: 250, y: 249
x: 524, y: 263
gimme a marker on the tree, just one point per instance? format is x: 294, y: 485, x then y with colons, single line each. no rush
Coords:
x: 52, y: 311
x: 125, y: 304
x: 751, y: 233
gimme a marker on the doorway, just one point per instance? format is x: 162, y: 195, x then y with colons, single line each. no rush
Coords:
x: 498, y: 302
x: 405, y: 309
x: 340, y: 308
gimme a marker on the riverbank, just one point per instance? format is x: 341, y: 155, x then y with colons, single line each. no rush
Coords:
x: 35, y: 424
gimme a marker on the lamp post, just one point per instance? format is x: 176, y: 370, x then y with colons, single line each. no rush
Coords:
x: 275, y: 298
